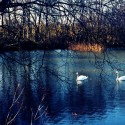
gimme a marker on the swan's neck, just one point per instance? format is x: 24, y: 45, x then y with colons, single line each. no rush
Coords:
x: 117, y: 76
x: 77, y: 75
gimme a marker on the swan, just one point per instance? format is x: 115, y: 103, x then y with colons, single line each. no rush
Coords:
x: 122, y: 78
x: 81, y: 77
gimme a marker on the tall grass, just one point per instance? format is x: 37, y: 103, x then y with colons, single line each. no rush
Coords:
x: 86, y: 47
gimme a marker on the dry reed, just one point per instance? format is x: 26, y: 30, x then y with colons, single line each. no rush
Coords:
x: 86, y: 47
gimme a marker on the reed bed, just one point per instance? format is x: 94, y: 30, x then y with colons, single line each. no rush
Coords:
x: 86, y: 47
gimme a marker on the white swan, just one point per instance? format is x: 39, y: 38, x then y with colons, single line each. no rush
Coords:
x: 81, y: 77
x: 122, y: 78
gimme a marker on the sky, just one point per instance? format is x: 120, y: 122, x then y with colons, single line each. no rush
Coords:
x: 77, y: 14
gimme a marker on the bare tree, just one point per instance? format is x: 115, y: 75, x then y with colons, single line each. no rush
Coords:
x: 86, y: 21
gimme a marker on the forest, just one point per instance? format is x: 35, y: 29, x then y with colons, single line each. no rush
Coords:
x: 61, y: 24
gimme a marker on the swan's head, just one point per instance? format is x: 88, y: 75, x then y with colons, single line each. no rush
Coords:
x: 77, y: 73
x: 116, y: 72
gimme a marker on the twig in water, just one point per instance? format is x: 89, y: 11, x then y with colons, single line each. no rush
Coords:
x: 10, y: 118
x: 38, y: 113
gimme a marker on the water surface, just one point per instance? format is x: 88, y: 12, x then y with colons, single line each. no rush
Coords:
x: 47, y: 80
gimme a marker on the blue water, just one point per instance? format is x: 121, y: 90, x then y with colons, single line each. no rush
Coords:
x: 46, y: 80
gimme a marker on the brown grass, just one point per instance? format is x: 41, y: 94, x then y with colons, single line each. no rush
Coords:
x: 86, y: 47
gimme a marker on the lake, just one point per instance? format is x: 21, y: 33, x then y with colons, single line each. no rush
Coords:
x: 39, y: 88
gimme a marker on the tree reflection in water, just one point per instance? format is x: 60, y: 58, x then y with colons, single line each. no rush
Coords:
x: 46, y: 89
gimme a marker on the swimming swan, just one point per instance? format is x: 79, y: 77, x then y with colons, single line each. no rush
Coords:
x: 81, y: 77
x: 122, y: 78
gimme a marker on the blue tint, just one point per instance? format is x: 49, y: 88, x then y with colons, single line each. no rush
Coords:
x: 46, y: 80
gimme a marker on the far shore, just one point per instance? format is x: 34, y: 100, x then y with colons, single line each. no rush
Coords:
x: 29, y: 45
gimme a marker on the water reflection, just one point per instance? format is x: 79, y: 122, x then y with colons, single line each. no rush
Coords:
x: 48, y: 81
x: 120, y: 85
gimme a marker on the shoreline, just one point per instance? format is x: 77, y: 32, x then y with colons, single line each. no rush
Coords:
x: 30, y: 45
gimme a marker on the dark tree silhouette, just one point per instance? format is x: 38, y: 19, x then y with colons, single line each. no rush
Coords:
x: 79, y: 21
